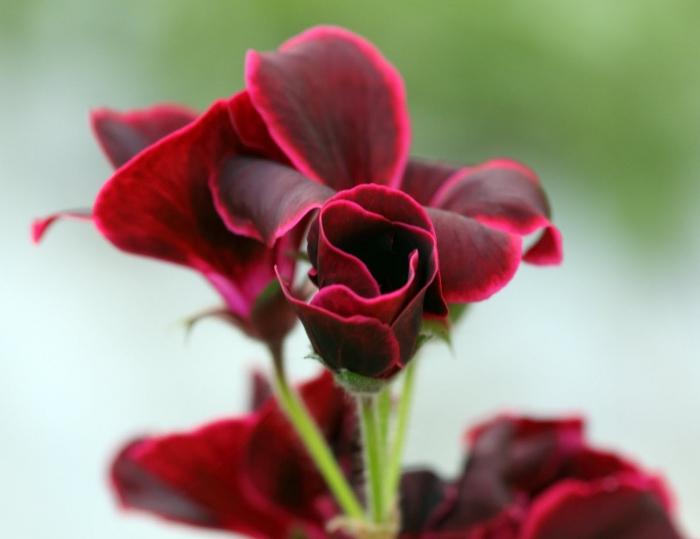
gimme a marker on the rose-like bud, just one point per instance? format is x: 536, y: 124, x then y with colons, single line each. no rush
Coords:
x: 374, y: 259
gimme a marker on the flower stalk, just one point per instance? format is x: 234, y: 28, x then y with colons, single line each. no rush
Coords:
x: 373, y: 452
x: 314, y: 441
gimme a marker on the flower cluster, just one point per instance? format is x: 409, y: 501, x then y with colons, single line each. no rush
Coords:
x: 321, y: 133
x: 310, y: 161
x: 522, y: 479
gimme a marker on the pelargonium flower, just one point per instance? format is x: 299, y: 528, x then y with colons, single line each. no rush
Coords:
x: 337, y: 110
x: 374, y: 258
x: 522, y: 479
x: 158, y: 204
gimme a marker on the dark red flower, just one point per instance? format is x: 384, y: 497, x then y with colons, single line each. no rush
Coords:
x: 535, y: 479
x: 523, y: 479
x: 337, y: 109
x: 374, y: 258
x: 249, y: 475
x: 159, y: 204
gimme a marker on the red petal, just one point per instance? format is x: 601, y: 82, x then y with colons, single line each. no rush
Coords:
x: 251, y: 128
x: 41, y: 226
x: 360, y: 344
x: 124, y: 134
x: 506, y: 195
x: 548, y: 249
x: 194, y: 479
x: 476, y: 261
x: 160, y: 205
x: 263, y: 199
x: 623, y: 507
x: 423, y: 178
x: 335, y: 106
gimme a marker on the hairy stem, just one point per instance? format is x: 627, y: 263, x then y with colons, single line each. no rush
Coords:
x: 314, y: 441
x: 373, y: 452
x: 393, y: 472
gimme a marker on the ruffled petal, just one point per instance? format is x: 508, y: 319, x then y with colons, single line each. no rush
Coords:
x: 41, y: 226
x: 624, y: 507
x: 335, y: 106
x: 476, y: 261
x: 506, y: 195
x: 251, y: 129
x: 263, y: 199
x: 361, y: 344
x: 124, y: 134
x: 195, y: 479
x: 423, y: 178
x: 160, y: 205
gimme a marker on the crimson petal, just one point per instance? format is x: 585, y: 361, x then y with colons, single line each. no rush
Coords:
x: 263, y: 199
x: 423, y: 178
x: 41, y: 226
x: 476, y: 261
x: 365, y: 343
x: 335, y: 106
x: 506, y: 195
x: 160, y: 205
x: 194, y: 479
x: 124, y: 134
x: 622, y: 507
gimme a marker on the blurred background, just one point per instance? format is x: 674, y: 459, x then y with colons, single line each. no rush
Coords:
x: 601, y: 98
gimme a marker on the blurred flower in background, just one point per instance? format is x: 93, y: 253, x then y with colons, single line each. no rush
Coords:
x: 601, y: 98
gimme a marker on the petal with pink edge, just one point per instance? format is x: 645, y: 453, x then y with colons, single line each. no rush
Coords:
x: 195, y: 479
x: 423, y: 178
x: 263, y: 199
x: 124, y: 134
x: 360, y: 344
x: 159, y: 205
x: 476, y: 261
x: 506, y: 195
x: 41, y: 226
x: 335, y: 106
x: 624, y: 507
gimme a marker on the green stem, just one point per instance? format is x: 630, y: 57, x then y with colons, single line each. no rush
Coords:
x: 384, y: 411
x: 314, y: 441
x: 373, y: 455
x: 393, y: 473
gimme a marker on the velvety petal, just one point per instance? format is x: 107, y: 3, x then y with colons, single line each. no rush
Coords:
x: 263, y: 199
x: 124, y: 134
x: 528, y: 454
x: 547, y: 250
x: 360, y: 344
x: 260, y: 390
x: 423, y: 178
x: 422, y: 493
x: 376, y: 223
x: 475, y: 260
x: 386, y: 307
x: 335, y: 106
x: 506, y: 195
x: 251, y: 129
x: 41, y: 226
x: 160, y: 205
x: 194, y: 479
x: 620, y: 508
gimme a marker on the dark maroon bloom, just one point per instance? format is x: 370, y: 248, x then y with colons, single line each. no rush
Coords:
x: 523, y: 479
x: 337, y: 109
x: 159, y: 204
x: 374, y: 258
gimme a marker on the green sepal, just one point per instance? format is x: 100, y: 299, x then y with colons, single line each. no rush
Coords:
x: 358, y: 384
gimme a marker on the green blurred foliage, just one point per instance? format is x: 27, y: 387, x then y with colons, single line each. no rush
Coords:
x: 602, y: 97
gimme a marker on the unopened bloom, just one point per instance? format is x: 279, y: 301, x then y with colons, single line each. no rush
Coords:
x: 374, y: 258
